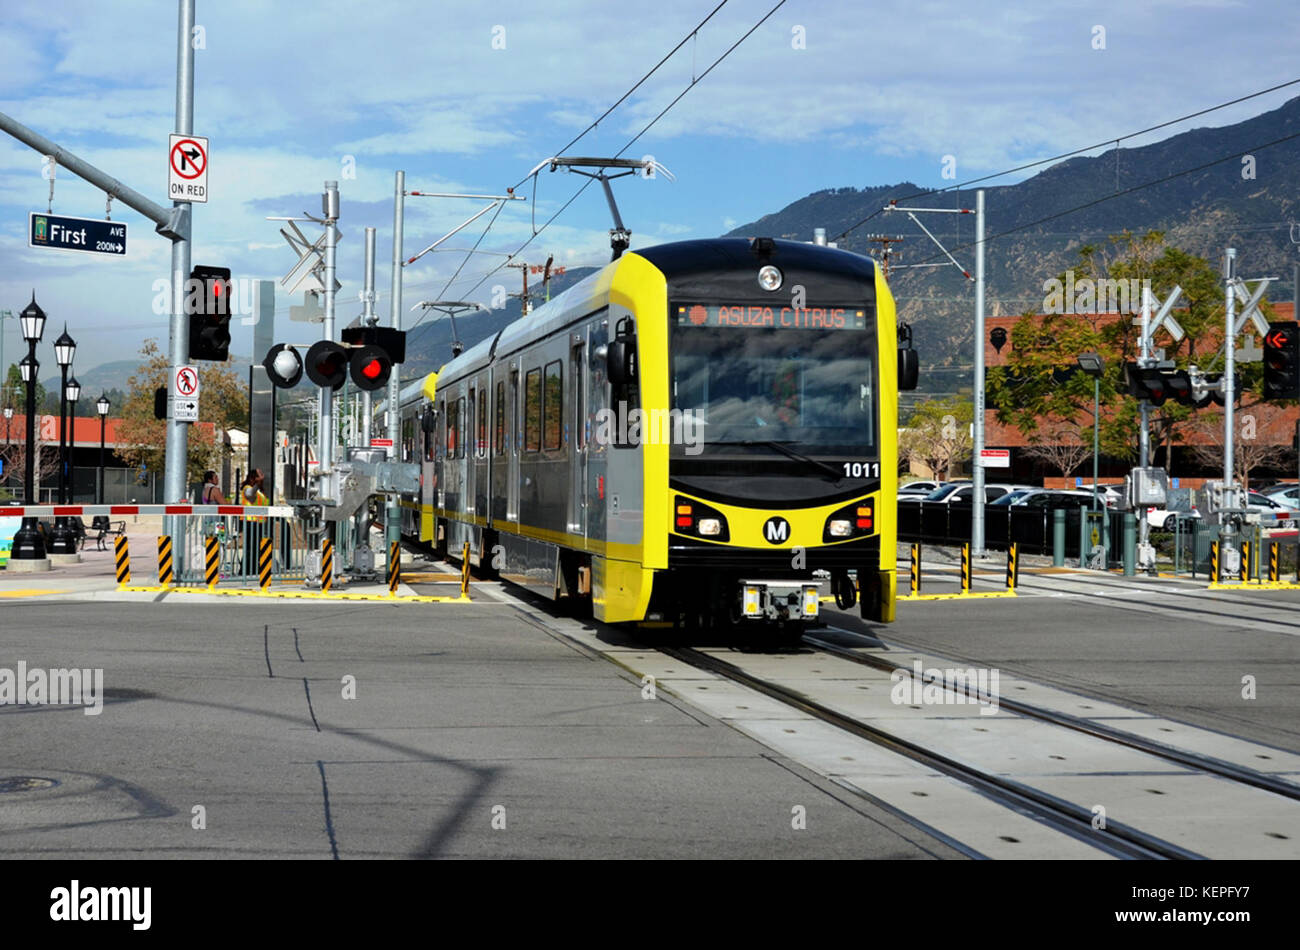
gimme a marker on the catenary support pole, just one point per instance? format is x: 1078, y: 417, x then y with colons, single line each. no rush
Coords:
x: 392, y: 520
x: 977, y: 467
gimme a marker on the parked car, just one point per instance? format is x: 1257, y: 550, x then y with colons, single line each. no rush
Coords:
x: 962, y: 493
x: 1256, y: 501
x: 919, y: 488
x: 1053, y: 499
x: 1286, y: 495
x: 1159, y: 518
x: 1011, y: 497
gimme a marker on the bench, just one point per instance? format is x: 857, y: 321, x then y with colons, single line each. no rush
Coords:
x: 106, y: 529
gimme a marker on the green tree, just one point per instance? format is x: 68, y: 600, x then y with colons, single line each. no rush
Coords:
x: 223, y: 403
x: 938, y: 435
x: 15, y: 391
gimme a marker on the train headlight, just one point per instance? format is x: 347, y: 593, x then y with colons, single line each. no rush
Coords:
x: 851, y: 521
x: 840, y: 528
x: 769, y: 277
x: 696, y: 519
x: 710, y: 526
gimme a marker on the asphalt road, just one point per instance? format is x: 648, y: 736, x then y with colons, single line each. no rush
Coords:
x: 473, y: 733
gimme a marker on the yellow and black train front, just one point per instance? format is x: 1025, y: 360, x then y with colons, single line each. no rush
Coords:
x: 780, y: 367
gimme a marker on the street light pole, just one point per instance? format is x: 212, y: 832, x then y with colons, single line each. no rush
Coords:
x: 28, y: 552
x: 9, y: 415
x: 65, y: 349
x: 102, y: 405
x: 73, y: 393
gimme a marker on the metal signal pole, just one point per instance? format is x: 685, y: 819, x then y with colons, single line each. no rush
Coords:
x: 178, y: 433
x: 392, y: 520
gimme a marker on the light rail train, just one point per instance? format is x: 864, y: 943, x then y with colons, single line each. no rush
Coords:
x: 699, y: 431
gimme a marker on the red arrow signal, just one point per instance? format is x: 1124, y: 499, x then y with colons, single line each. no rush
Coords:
x: 1278, y: 338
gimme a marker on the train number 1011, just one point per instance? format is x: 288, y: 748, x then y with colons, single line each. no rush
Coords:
x: 862, y: 469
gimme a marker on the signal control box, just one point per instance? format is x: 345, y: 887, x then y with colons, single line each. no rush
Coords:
x: 1148, y: 487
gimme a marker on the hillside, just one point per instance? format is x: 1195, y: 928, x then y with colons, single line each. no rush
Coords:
x: 1203, y: 212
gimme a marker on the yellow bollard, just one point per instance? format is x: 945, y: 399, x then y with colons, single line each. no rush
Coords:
x: 464, y: 570
x: 394, y: 567
x: 965, y: 568
x: 122, y: 555
x: 916, y: 568
x: 326, y: 565
x: 211, y: 561
x: 264, y: 564
x: 166, y: 574
x: 1013, y: 566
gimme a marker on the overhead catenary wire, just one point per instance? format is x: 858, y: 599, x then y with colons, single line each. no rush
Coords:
x: 1078, y: 151
x: 586, y: 184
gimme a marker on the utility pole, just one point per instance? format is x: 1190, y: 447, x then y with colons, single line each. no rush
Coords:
x: 176, y: 455
x: 330, y: 210
x: 369, y: 319
x: 885, y: 252
x: 1229, y: 559
x: 977, y: 424
x: 392, y: 519
x: 524, y: 306
x: 977, y: 449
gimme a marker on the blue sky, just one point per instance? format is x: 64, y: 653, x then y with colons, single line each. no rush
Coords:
x: 468, y: 96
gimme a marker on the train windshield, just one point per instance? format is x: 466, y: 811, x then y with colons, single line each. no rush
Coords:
x: 813, y: 391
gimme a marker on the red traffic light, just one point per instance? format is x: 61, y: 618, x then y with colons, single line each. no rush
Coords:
x: 327, y: 364
x: 371, y: 366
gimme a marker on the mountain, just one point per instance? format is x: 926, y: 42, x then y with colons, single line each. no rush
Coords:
x: 1202, y: 211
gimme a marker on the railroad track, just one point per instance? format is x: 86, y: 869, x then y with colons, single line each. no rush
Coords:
x: 1191, y: 760
x: 1115, y: 838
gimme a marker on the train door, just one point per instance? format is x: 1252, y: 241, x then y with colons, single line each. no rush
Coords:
x: 578, y: 441
x: 471, y: 450
x: 512, y: 450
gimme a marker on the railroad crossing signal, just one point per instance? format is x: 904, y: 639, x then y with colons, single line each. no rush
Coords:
x: 1282, y: 361
x: 327, y: 364
x: 283, y: 366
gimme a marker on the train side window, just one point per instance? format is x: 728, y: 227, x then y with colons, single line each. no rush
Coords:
x: 472, y: 449
x: 443, y: 428
x: 499, y: 437
x: 553, y: 405
x: 533, y: 411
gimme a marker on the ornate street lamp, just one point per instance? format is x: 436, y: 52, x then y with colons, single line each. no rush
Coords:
x: 62, y: 540
x: 28, y: 552
x: 1091, y: 363
x: 73, y: 392
x: 102, y: 405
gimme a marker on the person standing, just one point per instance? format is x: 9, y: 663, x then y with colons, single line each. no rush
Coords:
x: 250, y: 494
x: 211, y: 492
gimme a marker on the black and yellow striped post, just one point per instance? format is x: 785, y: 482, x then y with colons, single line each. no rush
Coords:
x: 464, y: 570
x: 1274, y: 572
x: 211, y: 561
x: 326, y: 565
x: 122, y: 556
x: 916, y: 568
x: 166, y: 574
x: 965, y: 568
x: 1244, y: 574
x: 264, y: 564
x: 394, y: 567
x: 1013, y: 565
x: 1214, y: 562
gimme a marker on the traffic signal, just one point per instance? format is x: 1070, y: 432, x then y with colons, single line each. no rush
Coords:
x: 208, y: 301
x: 392, y: 342
x: 283, y: 366
x: 1155, y: 385
x: 1282, y: 361
x: 327, y: 364
x: 371, y: 367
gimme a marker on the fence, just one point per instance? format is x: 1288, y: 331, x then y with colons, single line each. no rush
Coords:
x: 238, y: 540
x: 1031, y: 529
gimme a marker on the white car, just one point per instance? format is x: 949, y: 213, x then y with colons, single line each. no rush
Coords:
x: 1157, y: 517
x: 919, y: 488
x: 1288, y: 496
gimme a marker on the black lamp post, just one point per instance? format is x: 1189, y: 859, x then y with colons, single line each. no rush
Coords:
x: 73, y: 392
x: 27, y: 543
x: 62, y: 541
x: 102, y: 405
x: 9, y: 415
x: 1091, y: 363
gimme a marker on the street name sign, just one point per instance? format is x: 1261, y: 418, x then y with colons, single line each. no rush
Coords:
x: 93, y: 235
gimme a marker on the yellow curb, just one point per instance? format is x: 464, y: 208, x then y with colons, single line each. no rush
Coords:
x: 966, y: 596
x: 384, y: 597
x: 1265, y: 585
x: 28, y: 592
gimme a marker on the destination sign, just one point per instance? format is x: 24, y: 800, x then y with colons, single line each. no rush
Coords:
x: 745, y: 316
x: 62, y: 233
